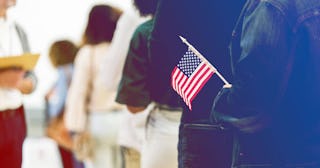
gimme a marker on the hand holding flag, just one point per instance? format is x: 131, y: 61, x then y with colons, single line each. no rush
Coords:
x: 192, y: 73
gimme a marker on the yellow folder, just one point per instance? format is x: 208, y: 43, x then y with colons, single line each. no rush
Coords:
x: 25, y: 61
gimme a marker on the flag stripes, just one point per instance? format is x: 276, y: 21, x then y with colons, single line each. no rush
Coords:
x: 189, y: 87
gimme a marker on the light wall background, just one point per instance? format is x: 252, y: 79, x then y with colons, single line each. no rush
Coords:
x: 46, y: 21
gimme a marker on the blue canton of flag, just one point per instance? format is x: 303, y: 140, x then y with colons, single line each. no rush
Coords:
x: 189, y: 76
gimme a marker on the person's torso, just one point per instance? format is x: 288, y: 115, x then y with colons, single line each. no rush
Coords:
x: 296, y: 122
x: 102, y: 92
x: 207, y: 25
x: 57, y: 98
x: 11, y: 44
x: 155, y: 85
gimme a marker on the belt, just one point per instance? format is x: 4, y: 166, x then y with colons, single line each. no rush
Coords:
x: 168, y: 108
x: 6, y: 114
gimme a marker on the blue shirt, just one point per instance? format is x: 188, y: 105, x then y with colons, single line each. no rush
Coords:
x: 57, y: 99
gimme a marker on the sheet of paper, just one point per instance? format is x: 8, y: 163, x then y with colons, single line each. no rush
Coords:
x: 25, y: 61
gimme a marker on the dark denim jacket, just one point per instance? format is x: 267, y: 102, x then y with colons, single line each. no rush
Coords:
x: 273, y: 103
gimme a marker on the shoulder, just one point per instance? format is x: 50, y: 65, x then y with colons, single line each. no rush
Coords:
x: 295, y: 11
x: 144, y: 29
x: 19, y: 29
x: 83, y: 54
x: 289, y: 8
x: 129, y: 20
x: 18, y: 26
x: 262, y: 8
x: 84, y: 50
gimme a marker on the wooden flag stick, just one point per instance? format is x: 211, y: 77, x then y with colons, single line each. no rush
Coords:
x: 226, y: 83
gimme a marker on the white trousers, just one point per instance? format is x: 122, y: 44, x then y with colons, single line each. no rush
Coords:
x: 160, y: 147
x: 104, y: 127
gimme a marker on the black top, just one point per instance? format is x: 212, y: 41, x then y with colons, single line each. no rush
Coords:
x: 141, y: 82
x: 207, y: 25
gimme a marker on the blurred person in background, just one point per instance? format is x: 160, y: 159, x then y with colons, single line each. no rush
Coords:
x: 91, y: 108
x: 131, y: 130
x: 13, y: 83
x: 140, y: 94
x: 62, y: 54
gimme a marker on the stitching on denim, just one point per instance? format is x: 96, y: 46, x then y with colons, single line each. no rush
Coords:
x: 283, y: 9
x: 309, y: 14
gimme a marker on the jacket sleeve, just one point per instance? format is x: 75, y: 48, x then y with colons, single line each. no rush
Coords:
x: 258, y: 70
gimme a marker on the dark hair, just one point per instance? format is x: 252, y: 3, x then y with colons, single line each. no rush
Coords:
x: 101, y: 24
x: 62, y: 52
x: 146, y: 7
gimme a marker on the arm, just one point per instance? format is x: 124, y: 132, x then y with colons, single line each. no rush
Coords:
x: 11, y: 78
x: 28, y: 83
x: 133, y: 90
x: 76, y: 104
x: 134, y: 109
x: 259, y: 71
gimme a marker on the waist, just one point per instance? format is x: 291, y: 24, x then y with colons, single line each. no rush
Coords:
x: 164, y: 107
x: 11, y: 113
x: 169, y: 115
x: 10, y: 99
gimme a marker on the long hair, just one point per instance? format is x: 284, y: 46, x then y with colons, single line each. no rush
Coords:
x: 101, y: 24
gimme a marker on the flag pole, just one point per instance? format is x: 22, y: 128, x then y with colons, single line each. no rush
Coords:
x: 226, y: 83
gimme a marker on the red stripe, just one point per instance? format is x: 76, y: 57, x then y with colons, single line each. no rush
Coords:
x: 186, y: 88
x: 172, y: 77
x: 175, y: 82
x: 180, y: 77
x: 193, y: 79
x: 184, y: 79
x: 190, y: 80
x: 193, y: 88
x: 201, y: 86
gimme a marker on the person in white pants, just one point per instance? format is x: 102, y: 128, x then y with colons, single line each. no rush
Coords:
x: 144, y: 83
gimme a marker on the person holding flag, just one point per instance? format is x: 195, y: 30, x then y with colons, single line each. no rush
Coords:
x: 208, y: 27
x: 274, y: 102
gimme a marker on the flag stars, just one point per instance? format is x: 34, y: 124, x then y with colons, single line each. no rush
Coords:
x: 188, y: 63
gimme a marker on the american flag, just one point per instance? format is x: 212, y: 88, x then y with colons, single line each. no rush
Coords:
x: 189, y: 76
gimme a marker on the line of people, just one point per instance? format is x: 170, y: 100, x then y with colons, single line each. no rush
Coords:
x: 120, y: 109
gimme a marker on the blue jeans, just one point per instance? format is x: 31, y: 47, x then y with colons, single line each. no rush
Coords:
x: 203, y: 145
x: 259, y: 151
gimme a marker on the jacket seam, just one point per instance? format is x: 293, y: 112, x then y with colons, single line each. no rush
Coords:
x: 283, y: 10
x: 303, y: 17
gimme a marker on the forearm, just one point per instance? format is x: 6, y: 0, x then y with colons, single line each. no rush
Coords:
x: 259, y: 72
x: 134, y: 109
x: 11, y: 77
x: 28, y: 83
